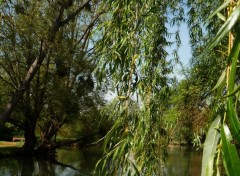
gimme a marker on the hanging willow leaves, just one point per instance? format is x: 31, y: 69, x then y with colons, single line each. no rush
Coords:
x: 226, y: 27
x: 223, y: 6
x: 229, y: 77
x: 133, y: 55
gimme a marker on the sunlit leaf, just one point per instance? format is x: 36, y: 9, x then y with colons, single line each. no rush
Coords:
x: 236, y: 89
x: 226, y: 27
x: 122, y: 97
x: 231, y: 111
x: 233, y: 120
x: 230, y: 154
x: 221, y: 16
x: 210, y: 147
x: 233, y: 59
x: 221, y: 80
x: 224, y: 5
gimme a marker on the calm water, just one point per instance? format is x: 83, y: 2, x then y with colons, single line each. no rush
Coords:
x: 181, y: 161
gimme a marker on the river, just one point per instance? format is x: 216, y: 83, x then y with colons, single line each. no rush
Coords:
x: 181, y: 161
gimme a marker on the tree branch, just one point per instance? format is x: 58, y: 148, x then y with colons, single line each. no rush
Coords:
x: 45, y: 46
x: 60, y: 144
x: 15, y: 82
x: 90, y: 26
x: 74, y: 14
x: 33, y: 68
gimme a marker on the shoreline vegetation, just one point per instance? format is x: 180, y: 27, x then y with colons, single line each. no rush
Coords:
x: 6, y: 147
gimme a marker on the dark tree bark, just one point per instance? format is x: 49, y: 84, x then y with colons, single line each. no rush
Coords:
x: 29, y: 131
x: 47, y: 134
x: 27, y: 165
x: 49, y: 148
x: 30, y: 141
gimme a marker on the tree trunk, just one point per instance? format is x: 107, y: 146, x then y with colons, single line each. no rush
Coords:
x: 47, y: 144
x: 27, y: 165
x: 30, y: 139
x: 48, y: 132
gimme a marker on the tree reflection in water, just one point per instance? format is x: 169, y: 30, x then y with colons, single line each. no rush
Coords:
x: 182, y: 161
x: 75, y: 162
x: 69, y: 162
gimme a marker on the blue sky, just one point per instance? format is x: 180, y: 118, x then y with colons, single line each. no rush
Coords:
x: 185, y: 49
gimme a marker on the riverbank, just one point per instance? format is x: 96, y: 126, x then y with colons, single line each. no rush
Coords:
x: 7, y: 148
x: 10, y: 144
x: 74, y: 161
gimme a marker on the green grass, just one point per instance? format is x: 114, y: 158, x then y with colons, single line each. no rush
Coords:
x: 9, y: 147
x: 10, y: 144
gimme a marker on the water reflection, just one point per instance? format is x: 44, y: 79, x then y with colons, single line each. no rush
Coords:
x: 70, y: 163
x: 182, y: 161
x: 74, y: 162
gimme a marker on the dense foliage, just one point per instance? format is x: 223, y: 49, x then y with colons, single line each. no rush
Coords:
x: 46, y: 66
x: 220, y: 50
x: 133, y: 55
x: 53, y: 54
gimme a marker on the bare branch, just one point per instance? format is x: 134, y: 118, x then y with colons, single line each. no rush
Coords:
x: 74, y: 14
x: 90, y: 26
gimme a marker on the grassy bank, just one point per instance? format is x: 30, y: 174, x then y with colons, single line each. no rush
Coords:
x: 9, y: 147
x: 10, y: 144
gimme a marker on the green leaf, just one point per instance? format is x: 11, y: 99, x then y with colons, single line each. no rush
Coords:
x: 221, y: 16
x: 230, y: 154
x: 234, y: 91
x: 224, y: 5
x: 233, y: 120
x: 221, y: 80
x: 122, y: 97
x: 135, y: 167
x: 233, y: 59
x: 231, y: 112
x: 227, y: 26
x: 210, y: 147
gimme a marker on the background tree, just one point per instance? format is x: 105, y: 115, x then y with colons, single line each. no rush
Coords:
x: 186, y: 113
x: 32, y: 38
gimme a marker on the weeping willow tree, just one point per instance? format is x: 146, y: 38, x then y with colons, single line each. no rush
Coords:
x: 132, y: 53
